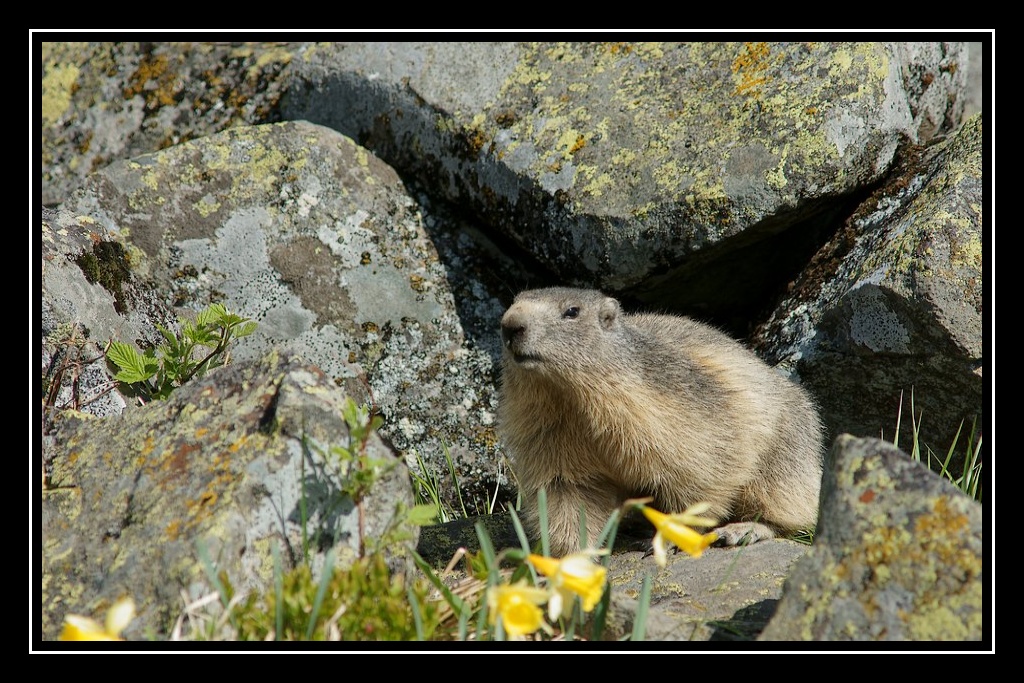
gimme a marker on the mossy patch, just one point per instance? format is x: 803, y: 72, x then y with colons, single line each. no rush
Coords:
x: 107, y: 265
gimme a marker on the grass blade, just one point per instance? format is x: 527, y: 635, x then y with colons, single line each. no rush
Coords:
x: 457, y: 604
x: 325, y: 580
x: 278, y: 593
x: 542, y: 516
x: 640, y: 621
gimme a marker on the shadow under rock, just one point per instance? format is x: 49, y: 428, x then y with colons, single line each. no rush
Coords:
x: 746, y: 624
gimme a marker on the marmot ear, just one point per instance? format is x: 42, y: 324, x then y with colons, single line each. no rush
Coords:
x: 608, y: 313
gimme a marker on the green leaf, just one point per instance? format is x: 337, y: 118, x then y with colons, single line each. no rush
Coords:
x: 168, y: 335
x: 640, y: 620
x: 129, y: 377
x: 204, y: 335
x: 350, y: 412
x: 246, y: 329
x: 177, y: 364
x: 230, y: 320
x: 423, y: 515
x: 133, y: 366
x: 457, y: 604
x: 211, y: 314
x: 325, y: 581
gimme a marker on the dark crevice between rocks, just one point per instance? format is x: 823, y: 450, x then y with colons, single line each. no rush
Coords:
x: 268, y: 422
x: 496, y: 261
x: 738, y: 282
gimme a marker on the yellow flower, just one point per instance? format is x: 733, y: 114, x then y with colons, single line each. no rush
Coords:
x: 516, y: 604
x: 574, y: 574
x: 676, y: 529
x: 119, y: 616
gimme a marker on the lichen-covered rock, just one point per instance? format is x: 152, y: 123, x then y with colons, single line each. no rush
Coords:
x: 725, y: 594
x: 897, y: 555
x: 612, y: 162
x: 697, y: 178
x: 225, y: 468
x: 893, y: 305
x: 317, y: 240
x: 107, y: 101
x: 89, y: 295
x: 659, y: 171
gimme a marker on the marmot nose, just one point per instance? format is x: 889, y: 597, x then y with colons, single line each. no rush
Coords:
x: 511, y: 331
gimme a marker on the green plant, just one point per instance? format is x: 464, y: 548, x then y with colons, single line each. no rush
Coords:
x: 805, y: 536
x: 352, y: 474
x: 512, y: 594
x: 496, y: 602
x: 969, y: 479
x: 427, y: 489
x: 366, y: 601
x: 363, y: 601
x: 360, y: 603
x: 356, y: 471
x: 157, y: 372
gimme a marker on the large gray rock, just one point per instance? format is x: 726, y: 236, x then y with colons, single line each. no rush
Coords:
x: 317, y: 240
x: 893, y: 305
x: 101, y: 102
x: 230, y: 465
x: 613, y: 162
x: 897, y: 555
x: 725, y: 594
x: 89, y: 296
x: 664, y: 172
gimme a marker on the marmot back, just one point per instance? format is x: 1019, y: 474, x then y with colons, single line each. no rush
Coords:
x: 598, y: 406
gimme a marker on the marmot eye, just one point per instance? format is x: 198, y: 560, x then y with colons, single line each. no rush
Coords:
x: 571, y: 312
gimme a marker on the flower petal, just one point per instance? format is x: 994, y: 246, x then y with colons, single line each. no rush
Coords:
x: 120, y: 615
x: 688, y: 540
x: 576, y: 572
x: 516, y: 606
x: 548, y: 566
x: 676, y: 529
x: 660, y: 556
x: 556, y: 604
x: 83, y: 628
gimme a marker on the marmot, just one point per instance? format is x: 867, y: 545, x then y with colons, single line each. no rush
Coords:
x: 597, y: 406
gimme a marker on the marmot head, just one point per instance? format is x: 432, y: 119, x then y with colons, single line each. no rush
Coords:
x: 559, y: 329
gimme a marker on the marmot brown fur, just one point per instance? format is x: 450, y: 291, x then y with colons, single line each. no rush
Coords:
x: 598, y: 406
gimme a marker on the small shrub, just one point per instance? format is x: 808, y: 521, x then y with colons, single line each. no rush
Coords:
x: 362, y: 603
x: 157, y: 372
